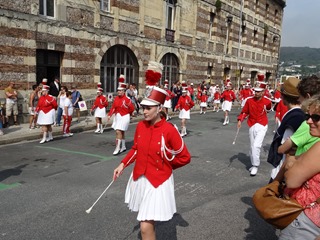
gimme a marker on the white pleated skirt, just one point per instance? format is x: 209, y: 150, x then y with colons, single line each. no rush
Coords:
x: 203, y: 104
x: 151, y: 203
x: 216, y: 101
x: 100, y: 112
x: 121, y: 122
x: 184, y: 114
x: 46, y: 118
x: 226, y: 106
x: 167, y: 104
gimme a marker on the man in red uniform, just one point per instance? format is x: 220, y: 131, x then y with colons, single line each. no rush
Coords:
x: 245, y: 93
x: 255, y: 109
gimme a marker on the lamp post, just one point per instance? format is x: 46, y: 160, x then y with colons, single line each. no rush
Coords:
x: 239, y: 43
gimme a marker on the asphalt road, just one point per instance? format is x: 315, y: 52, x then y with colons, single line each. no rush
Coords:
x: 45, y: 189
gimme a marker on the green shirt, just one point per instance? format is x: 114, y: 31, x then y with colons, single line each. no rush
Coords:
x: 303, y: 139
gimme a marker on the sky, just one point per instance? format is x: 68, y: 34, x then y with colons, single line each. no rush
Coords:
x: 301, y: 24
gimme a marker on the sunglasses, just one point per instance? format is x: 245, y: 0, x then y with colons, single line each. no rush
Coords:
x: 314, y: 117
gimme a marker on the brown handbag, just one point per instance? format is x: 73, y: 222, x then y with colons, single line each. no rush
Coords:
x: 274, y: 208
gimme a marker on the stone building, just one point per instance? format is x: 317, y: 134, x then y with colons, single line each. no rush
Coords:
x: 88, y: 41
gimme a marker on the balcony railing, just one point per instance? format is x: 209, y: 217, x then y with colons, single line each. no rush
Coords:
x: 170, y: 35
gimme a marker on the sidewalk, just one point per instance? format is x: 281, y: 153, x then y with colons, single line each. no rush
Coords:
x: 14, y: 134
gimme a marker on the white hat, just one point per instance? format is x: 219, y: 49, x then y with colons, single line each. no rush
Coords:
x: 154, y: 96
x: 45, y: 88
x: 260, y: 86
x: 122, y: 85
x: 99, y: 89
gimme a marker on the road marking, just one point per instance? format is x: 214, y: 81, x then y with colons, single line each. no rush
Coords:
x: 8, y: 186
x: 100, y: 157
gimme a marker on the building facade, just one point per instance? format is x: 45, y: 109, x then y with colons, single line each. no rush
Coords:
x: 88, y: 41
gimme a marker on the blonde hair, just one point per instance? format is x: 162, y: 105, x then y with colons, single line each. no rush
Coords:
x: 314, y: 101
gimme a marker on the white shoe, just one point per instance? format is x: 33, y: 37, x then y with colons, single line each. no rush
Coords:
x: 70, y: 134
x: 42, y: 141
x: 101, y: 131
x: 224, y: 123
x: 65, y: 135
x: 97, y: 131
x: 254, y: 171
x: 218, y: 110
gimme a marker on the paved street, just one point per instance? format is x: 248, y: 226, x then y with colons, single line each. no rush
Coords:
x: 45, y: 189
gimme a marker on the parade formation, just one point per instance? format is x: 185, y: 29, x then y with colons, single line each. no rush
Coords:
x: 158, y: 146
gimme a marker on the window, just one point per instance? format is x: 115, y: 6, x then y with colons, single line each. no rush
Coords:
x: 170, y: 68
x: 212, y: 15
x: 47, y: 8
x: 170, y: 5
x: 118, y: 60
x: 105, y: 5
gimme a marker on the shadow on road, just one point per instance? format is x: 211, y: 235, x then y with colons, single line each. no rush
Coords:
x: 164, y: 230
x: 258, y: 229
x: 11, y: 172
x: 243, y: 158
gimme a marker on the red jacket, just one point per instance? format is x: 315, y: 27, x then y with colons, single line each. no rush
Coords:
x: 122, y: 105
x: 228, y: 95
x: 185, y: 102
x: 281, y: 110
x: 100, y: 102
x: 204, y: 98
x: 148, y: 156
x: 217, y: 95
x: 256, y: 110
x: 245, y: 93
x: 46, y: 103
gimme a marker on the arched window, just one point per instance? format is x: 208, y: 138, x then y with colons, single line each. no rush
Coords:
x: 170, y: 68
x: 118, y: 60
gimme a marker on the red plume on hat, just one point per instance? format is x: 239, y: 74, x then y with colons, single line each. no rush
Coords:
x: 99, y: 84
x: 153, y: 73
x: 166, y: 81
x: 261, y: 76
x: 44, y: 81
x: 121, y: 78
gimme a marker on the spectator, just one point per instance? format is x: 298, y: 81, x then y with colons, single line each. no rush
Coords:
x: 302, y: 177
x: 1, y: 119
x: 33, y: 102
x: 67, y: 114
x: 61, y: 99
x: 11, y: 103
x: 76, y: 97
x: 55, y: 87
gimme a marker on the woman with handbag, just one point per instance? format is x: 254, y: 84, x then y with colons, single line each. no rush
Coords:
x: 302, y: 178
x: 156, y: 151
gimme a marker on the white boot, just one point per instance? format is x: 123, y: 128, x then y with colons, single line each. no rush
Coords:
x: 117, y: 150
x: 183, y: 131
x: 225, y: 121
x: 98, y: 128
x: 123, y: 145
x: 49, y: 138
x: 101, y: 128
x: 44, y: 137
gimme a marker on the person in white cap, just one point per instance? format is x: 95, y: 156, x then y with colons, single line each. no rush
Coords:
x: 157, y: 150
x: 184, y: 105
x: 122, y: 108
x: 228, y: 97
x: 216, y: 99
x: 203, y: 101
x: 99, y: 108
x: 256, y: 108
x: 46, y: 107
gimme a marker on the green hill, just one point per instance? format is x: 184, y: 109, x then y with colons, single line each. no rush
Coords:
x: 300, y: 55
